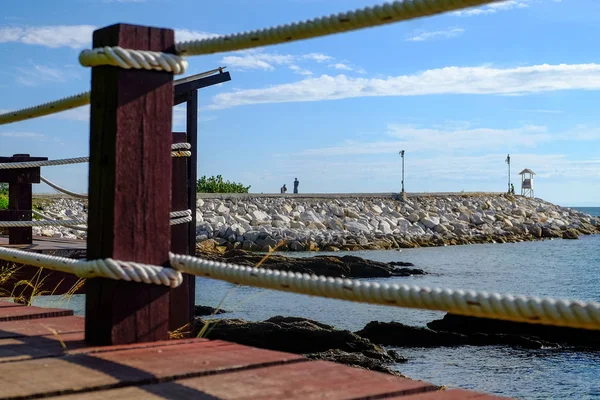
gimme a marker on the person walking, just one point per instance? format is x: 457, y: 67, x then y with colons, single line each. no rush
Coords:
x: 296, y: 183
x: 283, y: 189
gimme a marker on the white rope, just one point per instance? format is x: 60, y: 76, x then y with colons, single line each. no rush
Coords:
x: 77, y: 160
x: 574, y: 314
x: 343, y: 22
x: 181, y: 154
x: 44, y: 216
x: 62, y: 190
x: 48, y: 222
x: 108, y: 268
x: 51, y: 107
x: 181, y: 146
x: 137, y: 59
x: 78, y: 100
x: 178, y: 217
x: 46, y: 163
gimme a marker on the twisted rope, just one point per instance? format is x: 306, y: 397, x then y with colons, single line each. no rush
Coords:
x: 46, y: 163
x: 52, y: 107
x: 48, y: 222
x: 62, y: 190
x: 574, y: 314
x: 181, y: 154
x: 178, y: 217
x: 44, y: 216
x: 137, y: 59
x: 68, y: 103
x: 65, y: 161
x: 108, y: 268
x: 342, y: 22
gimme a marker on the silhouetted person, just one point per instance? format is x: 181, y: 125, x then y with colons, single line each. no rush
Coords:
x: 512, y: 188
x: 296, y: 183
x: 283, y: 189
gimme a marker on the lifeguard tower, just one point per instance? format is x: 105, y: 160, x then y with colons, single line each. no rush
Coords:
x: 527, y: 182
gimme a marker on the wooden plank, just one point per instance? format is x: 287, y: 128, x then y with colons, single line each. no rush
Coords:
x: 306, y: 380
x: 41, y: 326
x: 45, y: 244
x: 181, y: 309
x: 129, y: 187
x: 31, y: 312
x: 31, y: 347
x: 82, y: 370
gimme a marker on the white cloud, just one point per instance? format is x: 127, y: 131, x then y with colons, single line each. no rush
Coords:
x: 341, y: 66
x: 74, y: 36
x: 449, y: 80
x: 258, y: 60
x: 453, y: 138
x: 541, y: 111
x: 40, y: 73
x: 493, y: 8
x: 318, y: 57
x: 183, y: 35
x: 76, y: 114
x: 300, y: 71
x: 431, y: 35
x: 30, y: 135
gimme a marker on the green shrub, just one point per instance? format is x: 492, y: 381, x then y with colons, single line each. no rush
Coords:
x: 217, y: 185
x: 3, y: 202
x: 4, y: 189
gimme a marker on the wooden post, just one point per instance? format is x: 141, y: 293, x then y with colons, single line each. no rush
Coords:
x: 182, y: 298
x: 19, y: 196
x: 192, y: 138
x: 129, y: 188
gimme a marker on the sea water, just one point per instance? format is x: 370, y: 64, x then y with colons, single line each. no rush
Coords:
x: 558, y: 268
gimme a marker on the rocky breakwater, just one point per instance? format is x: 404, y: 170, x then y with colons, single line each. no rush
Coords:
x: 299, y: 224
x: 351, y: 223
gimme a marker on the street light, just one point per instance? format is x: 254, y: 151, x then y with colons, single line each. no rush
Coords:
x: 508, y: 162
x: 402, y: 155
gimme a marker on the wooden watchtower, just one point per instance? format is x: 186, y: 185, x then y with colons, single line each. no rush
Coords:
x: 527, y: 182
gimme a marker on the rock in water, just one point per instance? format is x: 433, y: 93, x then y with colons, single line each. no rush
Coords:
x: 200, y: 311
x: 343, y: 267
x: 302, y: 336
x: 550, y: 335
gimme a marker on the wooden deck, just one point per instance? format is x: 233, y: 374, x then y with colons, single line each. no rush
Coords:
x: 43, y: 355
x: 46, y: 244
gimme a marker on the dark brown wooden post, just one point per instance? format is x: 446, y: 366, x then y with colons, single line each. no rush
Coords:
x: 192, y: 138
x: 182, y: 298
x: 129, y: 188
x: 19, y: 196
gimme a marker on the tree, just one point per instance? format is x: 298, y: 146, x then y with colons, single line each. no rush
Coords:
x: 217, y: 185
x: 3, y: 196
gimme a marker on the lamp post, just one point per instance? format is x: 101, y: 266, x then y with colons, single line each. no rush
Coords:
x: 402, y: 155
x: 508, y: 162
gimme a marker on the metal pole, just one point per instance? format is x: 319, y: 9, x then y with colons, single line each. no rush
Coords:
x: 402, y: 155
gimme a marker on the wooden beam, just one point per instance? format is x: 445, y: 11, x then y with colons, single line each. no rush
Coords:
x: 19, y: 196
x: 129, y: 188
x: 182, y: 90
x: 182, y: 298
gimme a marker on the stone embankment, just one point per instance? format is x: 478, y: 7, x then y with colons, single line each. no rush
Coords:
x: 261, y: 223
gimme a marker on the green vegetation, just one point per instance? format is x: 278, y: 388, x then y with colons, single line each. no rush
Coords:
x: 3, y: 196
x: 217, y: 185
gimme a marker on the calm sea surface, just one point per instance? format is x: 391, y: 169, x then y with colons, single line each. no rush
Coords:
x: 558, y: 268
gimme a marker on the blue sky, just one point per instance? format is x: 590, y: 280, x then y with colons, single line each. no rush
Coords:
x: 457, y: 92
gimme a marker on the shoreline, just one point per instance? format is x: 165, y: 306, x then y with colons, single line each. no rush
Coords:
x: 355, y: 222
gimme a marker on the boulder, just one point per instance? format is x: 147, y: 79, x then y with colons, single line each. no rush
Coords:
x: 301, y: 336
